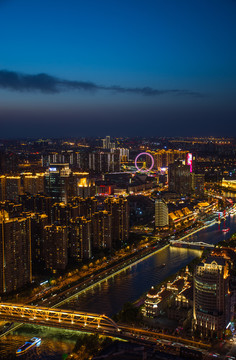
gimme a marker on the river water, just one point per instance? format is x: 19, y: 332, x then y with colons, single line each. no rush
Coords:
x: 109, y: 297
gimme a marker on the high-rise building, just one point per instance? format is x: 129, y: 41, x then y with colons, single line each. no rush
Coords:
x: 2, y: 162
x: 55, y: 247
x: 89, y: 207
x: 15, y: 253
x: 38, y: 222
x: 124, y: 154
x: 63, y: 157
x: 80, y: 239
x: 163, y: 158
x: 2, y: 187
x: 211, y: 312
x: 161, y: 214
x: 33, y: 184
x: 57, y: 182
x: 37, y: 203
x: 84, y: 187
x: 61, y: 213
x: 198, y: 181
x: 102, y: 230
x: 12, y: 188
x: 119, y: 210
x: 8, y: 162
x: 179, y: 178
x: 104, y: 161
x: 107, y: 144
x: 79, y: 207
x: 13, y: 210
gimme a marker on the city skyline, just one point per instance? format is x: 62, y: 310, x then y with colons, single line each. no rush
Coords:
x: 115, y: 233
x: 126, y: 69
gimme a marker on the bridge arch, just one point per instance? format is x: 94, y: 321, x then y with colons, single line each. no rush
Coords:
x: 56, y: 317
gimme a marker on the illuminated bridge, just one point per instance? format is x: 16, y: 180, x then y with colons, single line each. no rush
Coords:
x: 57, y: 317
x: 83, y: 322
x: 191, y: 244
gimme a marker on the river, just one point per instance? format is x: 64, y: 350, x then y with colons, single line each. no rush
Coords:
x: 109, y: 297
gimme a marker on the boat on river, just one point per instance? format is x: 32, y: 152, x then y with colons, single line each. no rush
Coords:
x: 161, y: 266
x: 28, y: 345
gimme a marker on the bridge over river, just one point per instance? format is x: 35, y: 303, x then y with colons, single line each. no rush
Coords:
x: 57, y: 317
x: 83, y: 321
x: 191, y: 244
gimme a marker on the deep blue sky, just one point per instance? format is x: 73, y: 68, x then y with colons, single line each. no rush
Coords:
x: 132, y: 67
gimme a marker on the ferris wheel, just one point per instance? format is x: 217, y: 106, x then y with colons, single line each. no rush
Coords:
x: 143, y: 168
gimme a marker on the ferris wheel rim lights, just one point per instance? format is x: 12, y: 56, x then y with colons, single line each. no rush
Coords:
x: 136, y: 162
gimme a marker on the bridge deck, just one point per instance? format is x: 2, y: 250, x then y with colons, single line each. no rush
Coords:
x: 43, y: 315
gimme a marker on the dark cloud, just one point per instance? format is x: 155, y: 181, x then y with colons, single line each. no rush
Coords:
x: 40, y: 82
x: 45, y: 83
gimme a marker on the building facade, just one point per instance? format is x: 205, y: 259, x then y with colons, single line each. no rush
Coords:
x: 55, y: 247
x: 179, y: 179
x: 15, y: 253
x: 161, y: 214
x: 211, y: 296
x: 119, y: 210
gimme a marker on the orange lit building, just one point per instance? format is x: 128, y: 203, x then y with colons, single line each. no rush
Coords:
x: 55, y: 247
x: 211, y: 310
x: 119, y: 210
x: 15, y: 253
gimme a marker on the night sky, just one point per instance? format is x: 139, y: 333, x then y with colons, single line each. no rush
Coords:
x: 117, y: 67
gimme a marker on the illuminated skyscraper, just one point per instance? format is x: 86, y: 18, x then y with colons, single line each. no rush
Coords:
x: 104, y: 161
x: 124, y: 154
x: 119, y: 210
x: 57, y: 182
x: 13, y: 188
x: 107, y: 144
x: 61, y: 213
x: 15, y: 253
x: 102, y: 230
x: 80, y: 239
x: 198, y: 181
x: 37, y: 203
x: 211, y: 310
x: 179, y: 178
x: 33, y: 184
x: 161, y: 214
x: 163, y: 158
x: 55, y: 247
x: 38, y: 222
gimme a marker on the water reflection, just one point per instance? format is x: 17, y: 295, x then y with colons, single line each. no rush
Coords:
x: 109, y: 296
